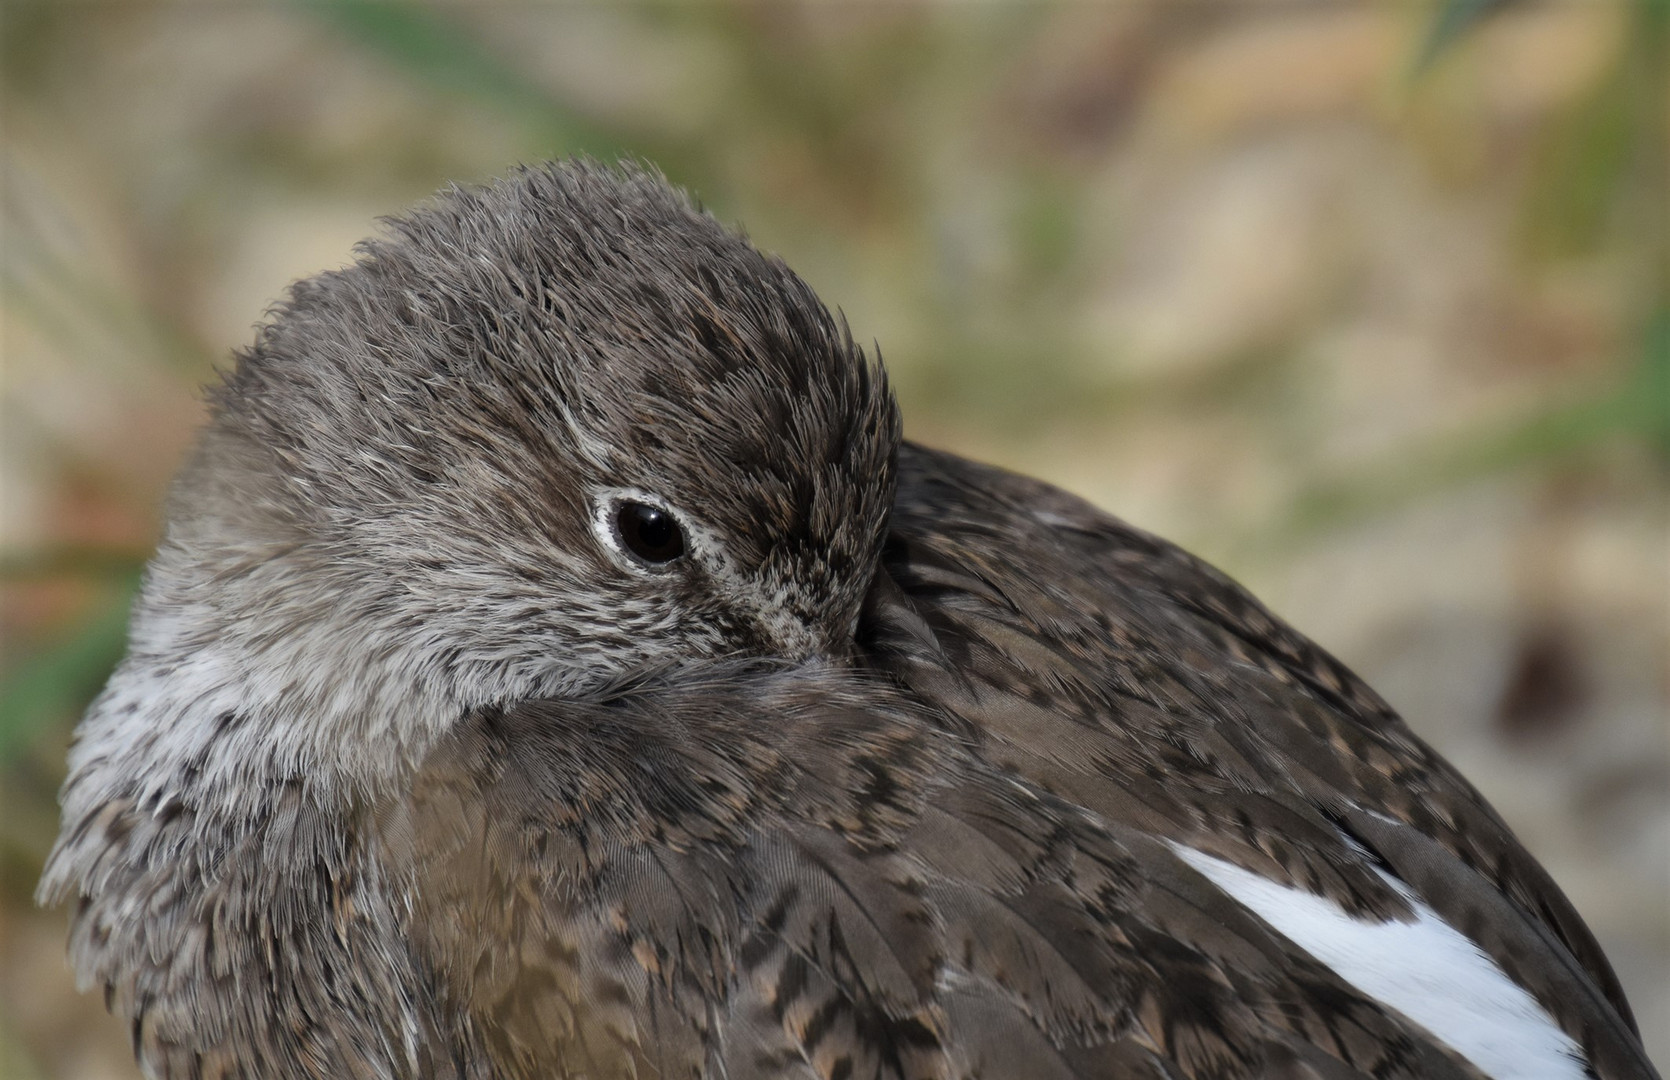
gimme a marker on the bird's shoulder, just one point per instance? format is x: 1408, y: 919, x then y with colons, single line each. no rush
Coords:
x: 1057, y: 821
x: 1116, y: 669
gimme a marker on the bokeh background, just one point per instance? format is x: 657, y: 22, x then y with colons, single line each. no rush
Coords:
x: 1366, y: 302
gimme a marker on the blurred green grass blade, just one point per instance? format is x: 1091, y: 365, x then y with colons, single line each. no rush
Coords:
x: 444, y: 54
x: 1542, y: 436
x: 71, y: 560
x: 54, y: 683
x: 1584, y: 169
x: 1654, y: 381
x: 1638, y: 409
x: 1452, y: 21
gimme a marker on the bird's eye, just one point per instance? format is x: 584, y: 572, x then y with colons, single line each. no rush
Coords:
x: 649, y: 532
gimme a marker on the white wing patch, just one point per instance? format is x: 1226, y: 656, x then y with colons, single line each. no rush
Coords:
x: 1425, y: 969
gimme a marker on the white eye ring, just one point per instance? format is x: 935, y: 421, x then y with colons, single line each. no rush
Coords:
x: 641, y: 531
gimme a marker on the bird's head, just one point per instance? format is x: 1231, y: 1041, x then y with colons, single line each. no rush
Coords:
x: 543, y: 435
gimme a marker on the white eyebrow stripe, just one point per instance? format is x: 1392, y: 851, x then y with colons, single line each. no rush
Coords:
x: 1425, y: 969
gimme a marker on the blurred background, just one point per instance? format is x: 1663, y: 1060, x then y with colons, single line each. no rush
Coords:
x: 1366, y: 302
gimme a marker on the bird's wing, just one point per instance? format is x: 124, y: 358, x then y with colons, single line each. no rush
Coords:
x: 805, y: 874
x: 1119, y: 673
x: 1087, y: 813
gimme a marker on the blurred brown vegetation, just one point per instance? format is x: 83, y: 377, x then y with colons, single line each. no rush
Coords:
x: 1366, y: 302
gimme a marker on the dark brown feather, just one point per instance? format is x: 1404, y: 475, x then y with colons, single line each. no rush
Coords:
x: 805, y: 872
x: 1214, y: 724
x: 961, y: 869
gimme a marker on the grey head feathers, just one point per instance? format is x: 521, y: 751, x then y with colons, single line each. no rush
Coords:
x: 408, y: 505
x: 402, y: 506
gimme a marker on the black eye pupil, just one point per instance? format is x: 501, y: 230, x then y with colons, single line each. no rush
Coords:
x: 649, y: 532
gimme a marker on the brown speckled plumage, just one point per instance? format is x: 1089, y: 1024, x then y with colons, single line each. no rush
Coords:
x: 414, y: 771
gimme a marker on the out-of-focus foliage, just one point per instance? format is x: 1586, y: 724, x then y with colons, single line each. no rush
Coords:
x: 1368, y: 301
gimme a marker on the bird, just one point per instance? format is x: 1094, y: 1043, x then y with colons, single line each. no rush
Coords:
x: 557, y: 663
